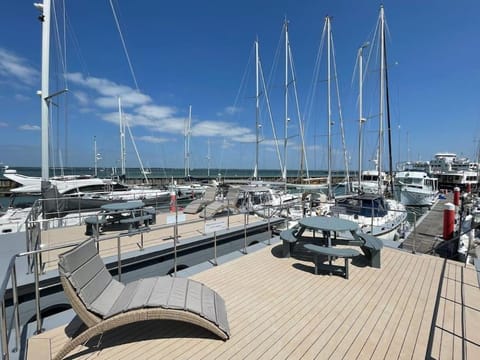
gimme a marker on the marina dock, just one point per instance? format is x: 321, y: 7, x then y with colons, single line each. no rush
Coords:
x: 427, y: 233
x: 415, y: 306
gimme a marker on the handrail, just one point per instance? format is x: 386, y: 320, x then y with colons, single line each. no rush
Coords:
x: 10, y: 275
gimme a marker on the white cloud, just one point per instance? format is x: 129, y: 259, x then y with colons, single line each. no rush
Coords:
x: 220, y: 128
x: 232, y: 110
x: 82, y: 97
x: 15, y: 67
x: 152, y: 139
x: 28, y: 127
x: 3, y: 124
x: 139, y: 110
x: 156, y: 111
x: 110, y: 91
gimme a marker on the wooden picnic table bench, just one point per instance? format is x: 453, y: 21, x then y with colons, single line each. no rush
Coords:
x: 134, y: 222
x: 289, y: 239
x: 330, y: 252
x: 371, y: 247
x: 94, y: 224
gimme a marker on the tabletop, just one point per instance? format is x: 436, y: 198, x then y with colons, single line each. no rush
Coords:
x: 324, y: 223
x: 120, y: 206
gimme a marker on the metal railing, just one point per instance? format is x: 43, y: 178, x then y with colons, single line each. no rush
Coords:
x: 35, y: 263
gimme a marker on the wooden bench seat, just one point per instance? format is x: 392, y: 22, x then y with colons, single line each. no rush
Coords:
x: 136, y: 221
x: 318, y: 251
x: 289, y: 239
x: 94, y: 223
x: 371, y: 247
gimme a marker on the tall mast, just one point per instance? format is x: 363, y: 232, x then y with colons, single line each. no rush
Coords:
x: 122, y: 138
x: 382, y: 97
x: 257, y: 109
x: 361, y: 119
x: 389, y: 127
x: 187, y: 141
x: 44, y: 93
x: 329, y: 108
x: 286, y: 107
x: 208, y: 157
x: 95, y: 159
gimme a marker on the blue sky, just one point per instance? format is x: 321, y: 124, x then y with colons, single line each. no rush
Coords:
x: 199, y: 53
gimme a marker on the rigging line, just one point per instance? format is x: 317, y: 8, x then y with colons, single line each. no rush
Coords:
x: 315, y: 76
x: 124, y: 46
x: 136, y: 151
x: 276, y: 60
x: 76, y: 46
x: 267, y: 100
x: 245, y: 76
x: 300, y: 122
x: 61, y: 49
x: 61, y: 52
x: 340, y: 115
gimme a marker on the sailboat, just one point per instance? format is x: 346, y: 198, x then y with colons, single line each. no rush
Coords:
x: 189, y: 189
x: 63, y: 194
x: 375, y: 214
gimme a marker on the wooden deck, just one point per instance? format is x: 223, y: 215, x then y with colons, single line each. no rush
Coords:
x: 415, y: 306
x: 429, y: 231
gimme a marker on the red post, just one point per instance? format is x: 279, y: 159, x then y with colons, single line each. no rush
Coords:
x: 448, y: 221
x: 173, y: 200
x: 456, y: 196
x: 469, y: 188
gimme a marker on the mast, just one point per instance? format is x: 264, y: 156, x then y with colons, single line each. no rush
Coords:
x: 257, y: 109
x: 286, y: 108
x: 382, y: 98
x: 187, y: 141
x: 389, y: 128
x: 95, y: 154
x: 44, y: 93
x: 122, y: 139
x: 329, y: 108
x: 361, y: 119
x: 208, y: 157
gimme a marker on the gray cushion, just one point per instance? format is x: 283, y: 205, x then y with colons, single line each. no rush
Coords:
x: 80, y: 277
x: 160, y: 291
x: 142, y: 294
x: 208, y: 304
x: 73, y: 259
x: 178, y: 294
x: 104, y: 302
x: 221, y: 313
x: 95, y: 286
x: 193, y: 302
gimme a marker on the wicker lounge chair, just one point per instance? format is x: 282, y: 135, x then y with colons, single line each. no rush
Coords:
x: 103, y: 303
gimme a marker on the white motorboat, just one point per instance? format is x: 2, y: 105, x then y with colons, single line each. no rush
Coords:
x: 415, y: 188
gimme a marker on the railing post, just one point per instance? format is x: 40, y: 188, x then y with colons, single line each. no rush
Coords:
x: 268, y: 225
x: 228, y: 213
x: 175, y: 237
x: 174, y: 254
x: 37, y: 293
x: 119, y: 259
x: 3, y: 331
x: 414, y: 231
x: 215, y: 247
x: 204, y: 218
x: 245, y: 233
x: 15, y: 308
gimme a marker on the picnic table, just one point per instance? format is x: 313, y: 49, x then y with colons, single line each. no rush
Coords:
x: 329, y: 228
x: 130, y: 214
